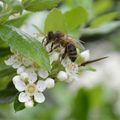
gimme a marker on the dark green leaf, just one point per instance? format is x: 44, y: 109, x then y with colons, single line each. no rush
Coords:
x: 81, y: 105
x: 18, y: 105
x: 6, y: 72
x: 75, y: 17
x: 38, y: 5
x: 25, y: 45
x: 55, y: 21
x: 8, y: 95
x: 4, y: 51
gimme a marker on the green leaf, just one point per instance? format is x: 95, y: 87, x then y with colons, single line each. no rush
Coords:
x: 5, y: 72
x: 101, y: 6
x: 38, y: 5
x: 8, y: 95
x: 18, y: 22
x: 81, y: 105
x: 4, y: 51
x: 25, y: 45
x: 56, y: 67
x: 55, y: 21
x: 18, y: 105
x: 15, y: 5
x: 104, y: 19
x: 75, y: 17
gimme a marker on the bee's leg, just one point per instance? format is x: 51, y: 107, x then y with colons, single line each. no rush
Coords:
x: 64, y: 54
x: 54, y: 47
x: 43, y: 40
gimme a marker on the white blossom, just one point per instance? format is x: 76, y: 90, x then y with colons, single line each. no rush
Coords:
x: 85, y: 55
x: 62, y: 75
x: 29, y: 89
x: 50, y: 83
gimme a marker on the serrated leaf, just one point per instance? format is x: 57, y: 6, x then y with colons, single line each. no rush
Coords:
x: 55, y: 21
x: 18, y: 105
x: 104, y: 19
x: 25, y: 45
x: 75, y: 17
x: 38, y: 5
x: 8, y: 95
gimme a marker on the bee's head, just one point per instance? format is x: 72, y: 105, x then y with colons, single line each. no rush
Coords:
x: 50, y: 36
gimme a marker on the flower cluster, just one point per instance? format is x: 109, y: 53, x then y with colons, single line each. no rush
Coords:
x: 31, y: 80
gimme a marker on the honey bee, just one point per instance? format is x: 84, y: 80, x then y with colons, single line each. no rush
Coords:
x: 60, y: 39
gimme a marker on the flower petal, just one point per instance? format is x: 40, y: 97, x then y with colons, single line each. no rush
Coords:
x: 23, y: 97
x: 20, y: 70
x: 41, y: 86
x: 32, y: 75
x: 19, y: 84
x: 85, y: 55
x: 16, y: 65
x: 26, y: 62
x: 10, y: 61
x: 29, y: 104
x: 39, y: 97
x: 43, y: 74
x: 50, y: 83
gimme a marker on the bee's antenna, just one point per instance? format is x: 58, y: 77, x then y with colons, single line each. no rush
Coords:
x: 92, y: 61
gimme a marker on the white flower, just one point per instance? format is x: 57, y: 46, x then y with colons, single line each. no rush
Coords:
x: 62, y: 76
x: 50, y: 83
x: 54, y: 56
x: 29, y: 104
x: 85, y: 55
x: 43, y: 73
x: 14, y: 61
x: 71, y: 71
x: 29, y: 90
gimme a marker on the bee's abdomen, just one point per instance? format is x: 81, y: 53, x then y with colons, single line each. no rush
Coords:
x: 72, y: 52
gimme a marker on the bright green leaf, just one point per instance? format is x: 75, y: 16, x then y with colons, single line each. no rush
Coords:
x: 76, y: 17
x: 38, y: 5
x: 104, y: 19
x: 55, y: 21
x: 25, y: 45
x: 102, y: 6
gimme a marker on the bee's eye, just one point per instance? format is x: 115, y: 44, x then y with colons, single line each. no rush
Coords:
x: 50, y: 35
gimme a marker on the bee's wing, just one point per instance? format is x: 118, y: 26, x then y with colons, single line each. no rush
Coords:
x: 79, y: 45
x: 92, y: 61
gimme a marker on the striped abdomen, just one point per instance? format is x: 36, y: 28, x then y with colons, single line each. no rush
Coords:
x: 72, y: 52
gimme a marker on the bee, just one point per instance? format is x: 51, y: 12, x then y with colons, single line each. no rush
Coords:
x: 60, y: 39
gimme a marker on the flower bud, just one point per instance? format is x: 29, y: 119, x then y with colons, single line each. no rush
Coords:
x: 62, y: 76
x: 49, y: 83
